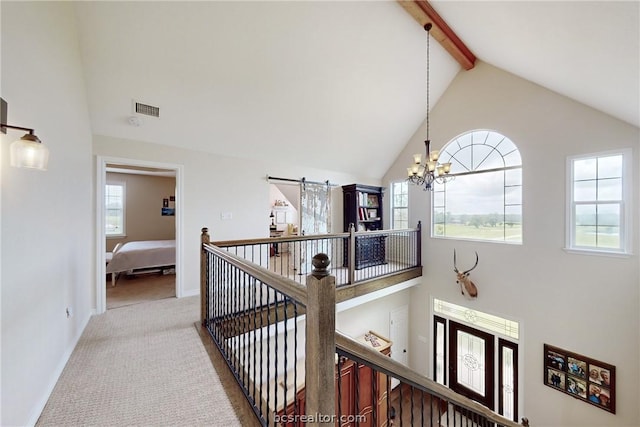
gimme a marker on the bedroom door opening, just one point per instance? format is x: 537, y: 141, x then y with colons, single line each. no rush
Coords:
x: 139, y: 232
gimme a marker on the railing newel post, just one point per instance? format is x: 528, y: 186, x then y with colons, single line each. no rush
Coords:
x: 419, y: 245
x: 205, y: 238
x: 320, y: 343
x: 352, y: 254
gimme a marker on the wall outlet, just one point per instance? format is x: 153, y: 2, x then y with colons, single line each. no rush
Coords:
x: 226, y: 215
x: 69, y: 312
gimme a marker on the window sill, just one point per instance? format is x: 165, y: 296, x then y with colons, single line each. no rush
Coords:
x: 594, y: 252
x: 116, y: 236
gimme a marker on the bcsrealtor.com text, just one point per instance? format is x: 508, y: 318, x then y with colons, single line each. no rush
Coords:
x: 318, y: 418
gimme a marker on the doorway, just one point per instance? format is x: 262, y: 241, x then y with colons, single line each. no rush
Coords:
x: 173, y: 212
x: 398, y: 334
x: 476, y: 355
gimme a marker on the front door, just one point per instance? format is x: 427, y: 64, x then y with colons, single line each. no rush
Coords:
x: 471, y: 363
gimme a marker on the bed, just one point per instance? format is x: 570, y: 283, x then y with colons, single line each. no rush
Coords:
x: 141, y: 255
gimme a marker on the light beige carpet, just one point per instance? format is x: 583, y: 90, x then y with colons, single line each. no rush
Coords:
x: 141, y: 288
x: 141, y: 365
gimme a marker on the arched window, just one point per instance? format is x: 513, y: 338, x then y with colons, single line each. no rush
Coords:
x: 484, y: 201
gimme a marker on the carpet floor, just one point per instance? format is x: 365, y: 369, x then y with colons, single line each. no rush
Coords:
x: 141, y: 365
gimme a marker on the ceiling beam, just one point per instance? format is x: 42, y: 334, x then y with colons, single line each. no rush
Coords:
x: 424, y: 13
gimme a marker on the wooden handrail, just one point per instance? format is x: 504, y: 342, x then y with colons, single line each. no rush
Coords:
x: 362, y: 353
x: 288, y: 287
x: 271, y: 240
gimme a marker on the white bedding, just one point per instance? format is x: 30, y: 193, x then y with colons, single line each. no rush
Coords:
x: 143, y: 254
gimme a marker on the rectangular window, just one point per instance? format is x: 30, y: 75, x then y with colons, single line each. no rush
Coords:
x: 399, y: 205
x: 599, y: 202
x: 114, y: 209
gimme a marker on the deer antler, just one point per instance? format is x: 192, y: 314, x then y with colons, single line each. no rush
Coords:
x: 454, y: 262
x: 469, y: 270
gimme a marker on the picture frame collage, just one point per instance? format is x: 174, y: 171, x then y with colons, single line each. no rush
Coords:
x: 581, y: 377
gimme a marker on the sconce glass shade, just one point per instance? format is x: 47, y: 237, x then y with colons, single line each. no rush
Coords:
x: 29, y: 152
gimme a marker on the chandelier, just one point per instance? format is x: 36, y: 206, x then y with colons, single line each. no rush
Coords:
x: 425, y: 173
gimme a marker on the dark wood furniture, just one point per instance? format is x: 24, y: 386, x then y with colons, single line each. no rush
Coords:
x: 360, y: 390
x: 363, y: 208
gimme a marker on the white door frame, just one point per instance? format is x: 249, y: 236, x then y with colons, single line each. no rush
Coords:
x: 101, y: 245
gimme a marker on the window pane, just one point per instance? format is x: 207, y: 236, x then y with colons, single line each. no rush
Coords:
x: 513, y: 159
x: 513, y: 195
x: 610, y: 189
x: 584, y: 169
x: 584, y: 191
x: 462, y: 161
x: 494, y: 139
x: 586, y: 214
x: 610, y: 167
x: 438, y: 198
x: 488, y: 158
x: 585, y: 228
x: 608, y: 230
x: 513, y: 177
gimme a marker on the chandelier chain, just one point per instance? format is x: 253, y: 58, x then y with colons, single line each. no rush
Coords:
x: 428, y: 65
x: 430, y: 171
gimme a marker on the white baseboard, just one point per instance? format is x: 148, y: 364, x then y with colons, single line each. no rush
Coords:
x: 190, y: 293
x: 39, y: 407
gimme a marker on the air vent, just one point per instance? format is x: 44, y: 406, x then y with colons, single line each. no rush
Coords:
x: 147, y: 110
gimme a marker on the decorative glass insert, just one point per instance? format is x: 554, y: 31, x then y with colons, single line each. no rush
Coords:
x: 471, y: 363
x: 508, y: 381
x: 440, y: 364
x: 478, y: 319
x: 484, y: 201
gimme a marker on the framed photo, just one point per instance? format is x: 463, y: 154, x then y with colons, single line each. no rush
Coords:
x: 281, y: 217
x: 581, y: 377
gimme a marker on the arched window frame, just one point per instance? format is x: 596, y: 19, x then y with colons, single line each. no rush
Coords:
x: 478, y: 155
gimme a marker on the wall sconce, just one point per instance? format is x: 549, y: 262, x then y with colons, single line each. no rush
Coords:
x: 28, y: 151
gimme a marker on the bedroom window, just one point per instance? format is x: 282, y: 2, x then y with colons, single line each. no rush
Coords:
x: 399, y: 205
x: 114, y: 209
x: 484, y: 201
x: 599, y: 202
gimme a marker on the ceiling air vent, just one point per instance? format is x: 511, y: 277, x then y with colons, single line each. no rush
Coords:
x: 147, y: 110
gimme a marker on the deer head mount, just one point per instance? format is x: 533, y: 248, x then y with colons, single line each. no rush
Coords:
x: 467, y: 287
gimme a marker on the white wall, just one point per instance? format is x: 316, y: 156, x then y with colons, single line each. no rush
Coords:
x: 47, y: 234
x: 212, y: 185
x: 585, y: 304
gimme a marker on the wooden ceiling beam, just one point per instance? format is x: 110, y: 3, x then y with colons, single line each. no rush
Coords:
x: 424, y: 13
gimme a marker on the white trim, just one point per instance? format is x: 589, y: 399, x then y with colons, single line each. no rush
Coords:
x: 101, y: 178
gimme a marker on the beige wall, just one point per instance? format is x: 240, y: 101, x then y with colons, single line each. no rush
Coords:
x: 582, y: 303
x: 47, y: 217
x: 143, y: 205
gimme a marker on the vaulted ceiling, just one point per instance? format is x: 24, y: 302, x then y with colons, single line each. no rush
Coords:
x: 333, y: 85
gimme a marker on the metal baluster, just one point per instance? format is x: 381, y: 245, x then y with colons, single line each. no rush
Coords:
x: 275, y: 375
x: 268, y: 327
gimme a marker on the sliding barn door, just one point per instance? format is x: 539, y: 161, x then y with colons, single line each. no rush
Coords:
x: 315, y: 218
